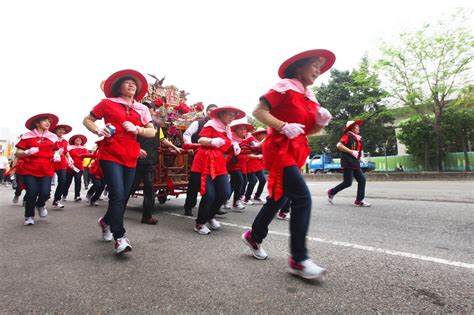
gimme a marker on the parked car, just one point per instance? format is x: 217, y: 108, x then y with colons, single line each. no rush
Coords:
x: 324, y: 164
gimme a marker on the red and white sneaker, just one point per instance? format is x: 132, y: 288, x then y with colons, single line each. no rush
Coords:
x: 306, y: 269
x: 361, y: 203
x: 247, y: 202
x: 202, y: 229
x: 283, y: 215
x: 256, y: 249
x: 238, y: 206
x: 106, y: 233
x: 57, y: 205
x: 122, y: 245
x: 259, y: 200
x: 330, y: 196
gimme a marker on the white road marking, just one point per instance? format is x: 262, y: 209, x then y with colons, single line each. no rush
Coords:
x: 355, y: 246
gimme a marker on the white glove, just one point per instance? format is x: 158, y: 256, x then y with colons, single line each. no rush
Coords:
x: 32, y: 151
x: 56, y: 156
x: 217, y: 142
x: 355, y: 154
x: 103, y: 132
x: 323, y: 117
x: 131, y: 127
x: 70, y: 161
x: 292, y: 130
x: 237, y: 148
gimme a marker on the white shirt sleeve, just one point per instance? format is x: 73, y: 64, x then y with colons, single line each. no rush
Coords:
x: 192, y: 129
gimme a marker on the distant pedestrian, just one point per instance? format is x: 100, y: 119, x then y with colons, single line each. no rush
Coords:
x: 36, y: 149
x: 191, y: 135
x: 210, y: 164
x: 61, y: 166
x: 350, y: 146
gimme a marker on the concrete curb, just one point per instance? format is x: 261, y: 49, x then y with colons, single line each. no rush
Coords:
x: 401, y: 176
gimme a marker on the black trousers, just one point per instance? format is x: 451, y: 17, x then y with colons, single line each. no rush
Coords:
x: 193, y: 190
x: 295, y: 190
x: 145, y: 173
x: 97, y: 188
x: 237, y: 182
x: 77, y: 183
x: 217, y: 192
x: 348, y: 175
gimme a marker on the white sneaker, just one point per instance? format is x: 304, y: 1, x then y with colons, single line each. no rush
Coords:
x: 88, y: 198
x: 202, y: 229
x: 122, y: 245
x: 306, y: 269
x: 43, y: 212
x: 259, y: 200
x: 57, y: 205
x: 238, y: 206
x: 93, y: 203
x: 361, y: 203
x: 29, y: 221
x: 227, y: 205
x: 257, y: 251
x: 15, y: 199
x: 213, y: 224
x: 247, y: 202
x: 106, y: 234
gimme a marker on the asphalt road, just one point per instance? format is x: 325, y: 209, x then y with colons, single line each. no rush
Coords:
x: 412, y: 251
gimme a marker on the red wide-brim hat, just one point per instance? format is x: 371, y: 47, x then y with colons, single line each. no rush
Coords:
x: 142, y: 84
x: 66, y: 127
x: 73, y: 138
x: 259, y: 130
x: 30, y: 123
x: 329, y: 55
x: 351, y: 124
x: 239, y: 113
x: 249, y: 127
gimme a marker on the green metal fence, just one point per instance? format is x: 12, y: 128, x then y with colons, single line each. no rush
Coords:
x: 452, y: 162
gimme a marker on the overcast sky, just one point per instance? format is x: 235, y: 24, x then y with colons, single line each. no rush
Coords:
x: 55, y: 53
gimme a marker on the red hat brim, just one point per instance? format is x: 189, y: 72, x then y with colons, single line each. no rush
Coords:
x: 142, y: 84
x: 240, y: 113
x: 250, y: 127
x: 329, y: 55
x: 66, y: 127
x: 357, y: 122
x: 29, y: 124
x: 73, y: 138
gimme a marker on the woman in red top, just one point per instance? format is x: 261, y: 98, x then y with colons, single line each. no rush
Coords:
x: 256, y: 169
x: 210, y: 163
x: 237, y: 165
x: 37, y: 148
x: 124, y: 119
x: 61, y: 166
x: 78, y: 152
x: 350, y: 146
x: 291, y: 112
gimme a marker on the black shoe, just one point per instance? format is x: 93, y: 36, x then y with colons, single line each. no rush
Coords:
x: 221, y: 212
x: 188, y: 212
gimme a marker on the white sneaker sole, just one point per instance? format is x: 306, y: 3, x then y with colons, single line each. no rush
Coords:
x: 300, y: 274
x: 125, y: 250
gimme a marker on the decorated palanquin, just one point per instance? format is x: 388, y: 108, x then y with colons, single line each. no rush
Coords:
x: 174, y: 117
